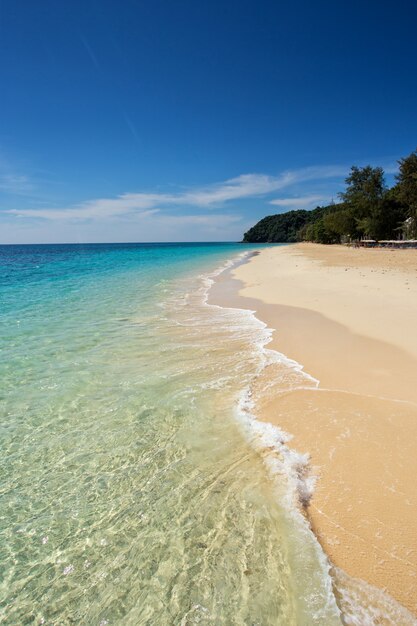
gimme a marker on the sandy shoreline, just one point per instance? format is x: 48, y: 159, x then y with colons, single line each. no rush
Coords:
x: 349, y: 317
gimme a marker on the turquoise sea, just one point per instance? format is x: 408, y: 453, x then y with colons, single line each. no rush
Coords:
x: 135, y: 487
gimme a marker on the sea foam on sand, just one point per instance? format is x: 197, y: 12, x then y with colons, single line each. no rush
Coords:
x: 361, y: 602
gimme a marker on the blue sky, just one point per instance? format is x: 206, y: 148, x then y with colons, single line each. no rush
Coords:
x: 190, y: 120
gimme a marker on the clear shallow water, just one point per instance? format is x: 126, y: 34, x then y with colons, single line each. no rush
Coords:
x: 135, y: 487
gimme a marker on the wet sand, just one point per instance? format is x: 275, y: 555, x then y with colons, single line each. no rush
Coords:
x: 349, y: 317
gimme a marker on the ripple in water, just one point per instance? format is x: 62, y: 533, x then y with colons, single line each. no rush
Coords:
x: 135, y: 489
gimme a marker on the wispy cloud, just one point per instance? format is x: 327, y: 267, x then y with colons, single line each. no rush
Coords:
x: 90, y: 52
x: 301, y: 202
x: 211, y: 196
x: 130, y: 125
x: 16, y: 184
x: 211, y: 220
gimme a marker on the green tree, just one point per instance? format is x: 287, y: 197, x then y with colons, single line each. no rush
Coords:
x: 365, y: 186
x: 319, y: 232
x: 385, y: 221
x: 341, y: 223
x: 406, y: 189
x: 365, y: 191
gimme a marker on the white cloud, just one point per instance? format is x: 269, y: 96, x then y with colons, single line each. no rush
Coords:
x: 213, y: 219
x: 244, y: 186
x: 144, y: 227
x: 300, y: 202
x: 216, y: 195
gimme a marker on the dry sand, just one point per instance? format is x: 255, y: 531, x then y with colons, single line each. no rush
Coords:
x: 349, y: 316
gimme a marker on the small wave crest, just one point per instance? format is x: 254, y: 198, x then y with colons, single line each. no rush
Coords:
x: 288, y: 469
x: 365, y: 605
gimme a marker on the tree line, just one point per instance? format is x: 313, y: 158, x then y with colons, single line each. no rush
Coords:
x: 367, y: 209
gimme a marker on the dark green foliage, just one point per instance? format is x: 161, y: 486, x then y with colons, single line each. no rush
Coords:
x: 341, y: 223
x: 386, y: 219
x: 318, y: 231
x: 368, y: 209
x: 284, y: 227
x: 365, y: 190
x: 365, y: 187
x: 406, y: 189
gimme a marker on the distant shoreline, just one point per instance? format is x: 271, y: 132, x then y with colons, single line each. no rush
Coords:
x: 400, y: 244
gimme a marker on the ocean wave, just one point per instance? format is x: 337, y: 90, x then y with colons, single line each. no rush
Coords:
x: 285, y: 466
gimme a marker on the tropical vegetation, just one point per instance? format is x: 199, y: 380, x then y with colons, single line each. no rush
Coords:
x: 367, y: 209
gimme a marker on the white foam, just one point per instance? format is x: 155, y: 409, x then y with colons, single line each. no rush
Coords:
x: 287, y: 468
x: 365, y: 605
x: 264, y: 436
x: 271, y: 442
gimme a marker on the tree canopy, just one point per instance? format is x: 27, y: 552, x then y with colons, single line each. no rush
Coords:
x: 368, y: 209
x: 406, y: 189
